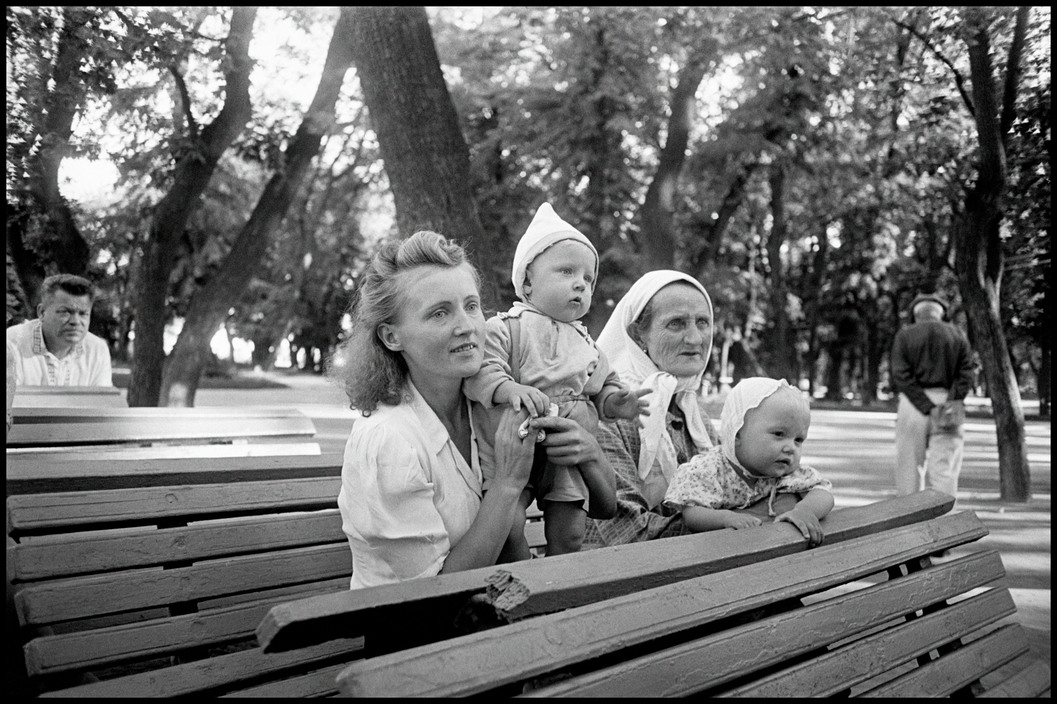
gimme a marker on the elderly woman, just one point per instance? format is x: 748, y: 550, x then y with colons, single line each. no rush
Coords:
x: 659, y: 337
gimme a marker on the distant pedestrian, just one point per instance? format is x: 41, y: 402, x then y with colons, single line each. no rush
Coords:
x: 932, y: 370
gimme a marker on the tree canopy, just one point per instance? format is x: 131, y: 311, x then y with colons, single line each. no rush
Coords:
x: 811, y: 165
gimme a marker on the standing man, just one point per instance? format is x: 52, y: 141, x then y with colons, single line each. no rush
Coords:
x: 56, y: 348
x: 932, y: 370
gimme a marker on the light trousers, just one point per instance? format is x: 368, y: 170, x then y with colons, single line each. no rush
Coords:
x: 926, y: 457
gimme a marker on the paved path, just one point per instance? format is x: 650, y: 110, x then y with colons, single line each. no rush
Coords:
x: 853, y: 448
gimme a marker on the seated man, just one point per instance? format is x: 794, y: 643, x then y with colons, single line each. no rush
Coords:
x: 56, y: 349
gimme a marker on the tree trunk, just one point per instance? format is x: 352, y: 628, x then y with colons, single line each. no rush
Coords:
x: 425, y: 155
x: 63, y: 245
x: 657, y: 235
x: 708, y: 249
x: 783, y: 347
x: 193, y: 172
x: 210, y: 304
x: 979, y: 255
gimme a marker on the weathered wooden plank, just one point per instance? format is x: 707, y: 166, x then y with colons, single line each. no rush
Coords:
x: 156, y: 430
x: 320, y: 683
x: 81, y: 597
x: 69, y: 396
x: 844, y: 667
x: 105, y: 415
x: 216, y: 673
x: 99, y: 647
x: 568, y: 580
x: 75, y: 508
x: 957, y: 669
x: 236, y: 448
x: 170, y: 466
x: 1031, y: 679
x: 148, y: 547
x: 719, y: 658
x: 539, y: 645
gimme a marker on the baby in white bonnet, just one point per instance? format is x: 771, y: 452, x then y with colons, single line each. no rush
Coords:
x: 762, y: 430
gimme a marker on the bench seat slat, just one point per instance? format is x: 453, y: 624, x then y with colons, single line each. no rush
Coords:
x: 151, y: 546
x: 879, y: 653
x: 220, y: 672
x: 957, y: 669
x: 106, y: 646
x: 534, y: 646
x: 718, y: 658
x: 82, y: 597
x: 39, y: 511
x: 568, y: 580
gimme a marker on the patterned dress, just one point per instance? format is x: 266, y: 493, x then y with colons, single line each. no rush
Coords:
x: 710, y: 480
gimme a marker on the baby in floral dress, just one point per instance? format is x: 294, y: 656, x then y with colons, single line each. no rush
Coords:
x: 762, y: 430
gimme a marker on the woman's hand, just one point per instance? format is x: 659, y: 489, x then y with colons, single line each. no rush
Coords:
x: 567, y: 442
x: 513, y: 454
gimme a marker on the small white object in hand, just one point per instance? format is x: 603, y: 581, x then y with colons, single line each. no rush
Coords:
x: 541, y: 435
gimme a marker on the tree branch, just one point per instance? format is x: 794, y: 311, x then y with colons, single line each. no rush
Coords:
x: 185, y: 98
x: 958, y: 79
x: 1009, y: 95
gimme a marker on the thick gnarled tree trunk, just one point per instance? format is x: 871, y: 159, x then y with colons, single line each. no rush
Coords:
x: 210, y: 304
x: 979, y: 249
x: 171, y: 214
x: 426, y: 157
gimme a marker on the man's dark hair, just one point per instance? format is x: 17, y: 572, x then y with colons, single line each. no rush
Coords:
x: 70, y: 283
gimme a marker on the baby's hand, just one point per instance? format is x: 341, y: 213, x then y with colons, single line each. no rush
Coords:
x: 521, y: 396
x: 806, y: 522
x: 738, y: 521
x: 628, y: 404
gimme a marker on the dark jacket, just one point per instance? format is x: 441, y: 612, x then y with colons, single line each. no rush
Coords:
x: 931, y: 354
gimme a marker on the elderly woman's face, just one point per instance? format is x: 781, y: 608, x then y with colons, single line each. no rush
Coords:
x: 681, y: 330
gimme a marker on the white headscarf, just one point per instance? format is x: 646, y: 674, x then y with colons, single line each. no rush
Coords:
x: 546, y: 229
x: 638, y: 370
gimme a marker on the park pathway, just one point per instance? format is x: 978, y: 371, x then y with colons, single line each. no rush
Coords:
x: 853, y: 448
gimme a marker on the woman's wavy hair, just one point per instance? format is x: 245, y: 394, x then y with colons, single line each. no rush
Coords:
x: 368, y: 371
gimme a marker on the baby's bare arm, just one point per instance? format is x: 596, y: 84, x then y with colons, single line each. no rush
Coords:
x: 700, y: 519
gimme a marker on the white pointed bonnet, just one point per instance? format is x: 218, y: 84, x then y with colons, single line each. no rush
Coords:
x: 545, y: 229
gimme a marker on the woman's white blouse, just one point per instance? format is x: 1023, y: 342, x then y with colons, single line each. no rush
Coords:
x: 407, y: 494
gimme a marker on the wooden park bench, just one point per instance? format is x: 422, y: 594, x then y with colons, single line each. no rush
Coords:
x: 152, y: 576
x: 741, y: 613
x: 69, y: 396
x: 70, y: 433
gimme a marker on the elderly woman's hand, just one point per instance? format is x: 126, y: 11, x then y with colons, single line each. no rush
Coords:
x: 567, y: 442
x: 513, y: 454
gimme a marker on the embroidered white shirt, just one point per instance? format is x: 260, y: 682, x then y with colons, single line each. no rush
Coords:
x: 87, y: 364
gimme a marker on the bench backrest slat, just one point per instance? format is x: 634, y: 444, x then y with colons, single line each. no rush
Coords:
x: 597, y: 629
x: 104, y: 646
x: 37, y: 427
x: 875, y: 655
x: 568, y: 580
x: 31, y: 473
x: 957, y: 669
x: 81, y: 597
x: 149, y: 546
x: 715, y: 659
x: 70, y: 509
x: 67, y: 396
